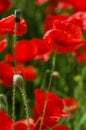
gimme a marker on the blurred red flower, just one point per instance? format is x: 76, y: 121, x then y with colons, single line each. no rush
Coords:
x: 80, y: 54
x: 3, y: 45
x: 70, y: 105
x: 5, y: 75
x: 54, y: 109
x: 61, y: 127
x: 7, y: 26
x: 41, y: 2
x: 25, y: 51
x: 43, y: 49
x: 28, y: 50
x: 64, y: 37
x: 9, y: 58
x: 22, y: 124
x: 78, y: 19
x: 50, y: 20
x: 77, y: 5
x: 28, y: 72
x: 5, y: 121
x: 51, y: 7
x: 5, y: 5
x: 62, y: 5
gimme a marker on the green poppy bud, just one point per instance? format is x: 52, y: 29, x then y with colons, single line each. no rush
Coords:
x: 56, y: 74
x: 17, y: 15
x: 18, y: 80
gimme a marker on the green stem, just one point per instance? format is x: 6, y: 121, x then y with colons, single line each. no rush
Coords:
x: 3, y: 101
x: 6, y: 103
x: 44, y: 79
x: 14, y: 86
x: 49, y: 85
x: 13, y: 103
x: 25, y: 104
x: 14, y: 44
x: 37, y: 121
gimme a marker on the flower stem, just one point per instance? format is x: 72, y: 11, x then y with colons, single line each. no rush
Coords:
x: 14, y: 44
x: 37, y: 121
x: 19, y: 82
x: 44, y: 79
x: 3, y: 102
x: 49, y: 85
x: 13, y: 103
x: 25, y: 104
x: 14, y: 87
x: 15, y: 63
x: 6, y: 102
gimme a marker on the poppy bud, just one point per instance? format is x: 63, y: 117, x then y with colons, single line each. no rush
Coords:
x: 17, y: 15
x: 56, y: 74
x: 18, y: 80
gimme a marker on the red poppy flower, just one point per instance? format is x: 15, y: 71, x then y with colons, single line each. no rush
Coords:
x: 27, y: 50
x: 41, y: 2
x: 42, y: 46
x: 9, y: 58
x: 77, y: 5
x: 80, y: 54
x: 78, y: 19
x: 6, y: 77
x: 51, y: 7
x: 5, y: 5
x: 62, y: 5
x: 3, y: 45
x: 22, y: 125
x: 61, y: 127
x: 43, y: 49
x: 64, y: 37
x: 7, y: 26
x: 70, y: 104
x: 28, y: 72
x: 49, y: 121
x: 54, y: 109
x: 50, y: 19
x: 5, y: 121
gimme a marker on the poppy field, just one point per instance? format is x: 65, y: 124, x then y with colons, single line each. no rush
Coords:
x: 43, y: 65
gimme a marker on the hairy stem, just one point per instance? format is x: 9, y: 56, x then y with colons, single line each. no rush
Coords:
x: 25, y: 104
x: 14, y: 86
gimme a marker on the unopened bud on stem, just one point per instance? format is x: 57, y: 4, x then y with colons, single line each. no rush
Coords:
x: 18, y: 80
x: 17, y: 15
x: 56, y: 74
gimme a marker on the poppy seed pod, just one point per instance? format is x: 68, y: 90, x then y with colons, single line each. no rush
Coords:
x: 18, y: 80
x: 17, y: 14
x: 56, y: 74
